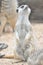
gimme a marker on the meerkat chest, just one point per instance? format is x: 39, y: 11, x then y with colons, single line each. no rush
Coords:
x: 22, y: 29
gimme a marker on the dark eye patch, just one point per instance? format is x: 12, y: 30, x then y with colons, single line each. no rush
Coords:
x: 22, y: 6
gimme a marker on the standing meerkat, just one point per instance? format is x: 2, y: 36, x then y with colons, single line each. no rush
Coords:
x: 27, y: 47
x: 8, y: 13
x: 26, y: 40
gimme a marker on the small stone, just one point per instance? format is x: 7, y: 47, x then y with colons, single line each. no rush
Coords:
x: 1, y: 55
x: 3, y: 46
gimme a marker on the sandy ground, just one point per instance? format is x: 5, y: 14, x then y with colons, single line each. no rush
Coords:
x: 11, y: 62
x: 9, y: 38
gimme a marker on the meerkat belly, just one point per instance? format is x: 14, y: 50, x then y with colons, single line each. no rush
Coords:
x: 22, y: 31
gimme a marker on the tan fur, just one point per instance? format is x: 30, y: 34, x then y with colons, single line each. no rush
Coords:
x: 8, y: 11
x: 3, y: 22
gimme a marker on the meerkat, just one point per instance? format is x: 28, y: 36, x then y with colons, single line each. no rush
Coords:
x: 27, y: 46
x: 36, y: 58
x: 8, y: 13
x: 26, y: 40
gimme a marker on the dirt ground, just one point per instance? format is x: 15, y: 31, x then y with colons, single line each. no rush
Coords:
x: 9, y: 39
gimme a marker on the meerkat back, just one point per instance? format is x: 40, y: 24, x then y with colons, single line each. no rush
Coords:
x: 8, y: 10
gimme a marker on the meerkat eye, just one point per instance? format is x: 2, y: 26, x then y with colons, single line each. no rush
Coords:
x: 22, y: 6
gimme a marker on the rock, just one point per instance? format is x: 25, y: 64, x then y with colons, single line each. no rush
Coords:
x: 3, y: 46
x: 1, y: 55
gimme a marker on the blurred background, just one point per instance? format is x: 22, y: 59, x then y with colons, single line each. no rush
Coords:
x: 36, y: 6
x: 37, y: 9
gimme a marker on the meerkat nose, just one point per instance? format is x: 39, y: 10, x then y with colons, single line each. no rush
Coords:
x: 17, y: 10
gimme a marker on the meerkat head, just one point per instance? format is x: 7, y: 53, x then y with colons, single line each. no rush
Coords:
x: 24, y: 9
